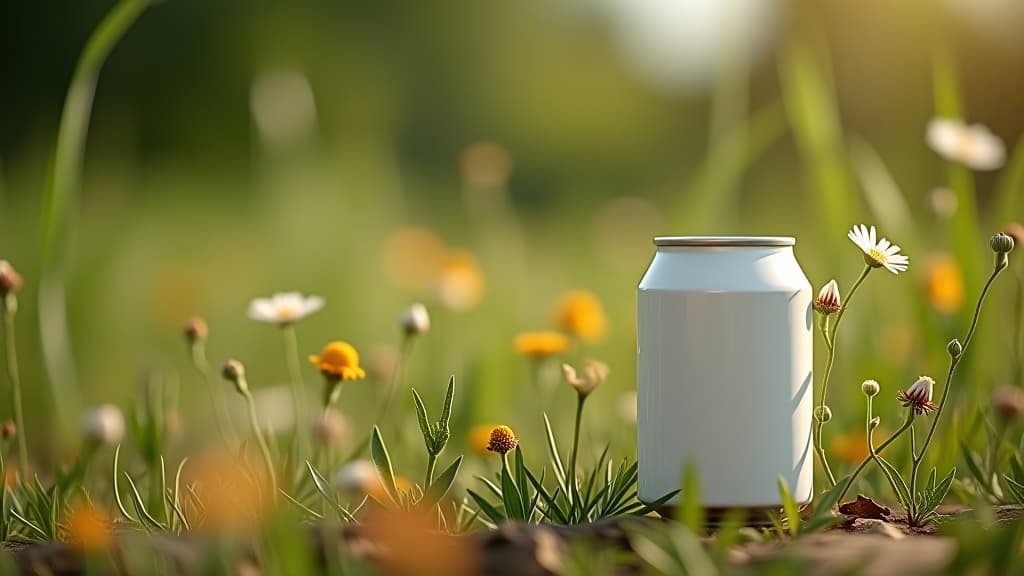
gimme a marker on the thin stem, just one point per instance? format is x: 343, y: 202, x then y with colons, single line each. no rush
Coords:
x: 396, y: 377
x: 575, y: 448
x: 220, y: 409
x: 264, y: 448
x: 10, y: 306
x: 953, y: 364
x: 874, y: 454
x: 431, y: 460
x: 291, y: 346
x: 878, y: 450
x: 831, y: 343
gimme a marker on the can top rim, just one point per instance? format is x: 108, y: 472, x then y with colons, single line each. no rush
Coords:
x: 724, y: 241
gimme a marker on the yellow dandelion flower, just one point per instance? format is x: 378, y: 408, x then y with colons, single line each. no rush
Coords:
x: 89, y: 528
x: 580, y: 314
x: 479, y: 437
x: 460, y: 283
x: 339, y: 360
x: 541, y: 344
x: 502, y: 440
x: 944, y: 283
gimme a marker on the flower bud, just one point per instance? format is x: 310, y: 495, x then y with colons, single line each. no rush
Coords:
x: 195, y: 330
x: 104, y: 425
x: 1008, y: 403
x: 234, y: 372
x: 502, y: 440
x: 8, y: 430
x: 870, y: 388
x: 10, y: 280
x: 1001, y: 243
x: 589, y: 377
x: 415, y: 320
x: 828, y: 301
x: 359, y: 476
x: 955, y: 349
x: 331, y: 427
x: 919, y: 396
x: 823, y: 414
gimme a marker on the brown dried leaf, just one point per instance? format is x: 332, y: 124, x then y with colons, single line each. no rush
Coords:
x: 864, y: 507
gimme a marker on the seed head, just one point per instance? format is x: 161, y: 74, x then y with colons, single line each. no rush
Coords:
x: 502, y: 440
x: 10, y: 280
x: 870, y: 388
x: 828, y: 301
x: 195, y: 330
x: 234, y: 372
x: 823, y: 414
x: 415, y: 320
x: 955, y: 348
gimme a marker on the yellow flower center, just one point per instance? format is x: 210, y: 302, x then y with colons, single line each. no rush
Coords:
x: 284, y: 313
x: 877, y: 256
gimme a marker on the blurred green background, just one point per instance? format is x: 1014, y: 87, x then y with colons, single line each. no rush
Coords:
x: 242, y: 148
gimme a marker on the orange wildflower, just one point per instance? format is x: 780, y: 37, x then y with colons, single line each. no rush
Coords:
x: 541, y: 344
x: 580, y: 314
x: 339, y: 360
x: 944, y: 283
x: 460, y: 283
x: 89, y: 528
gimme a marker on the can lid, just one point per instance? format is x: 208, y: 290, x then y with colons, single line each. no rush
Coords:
x: 724, y: 241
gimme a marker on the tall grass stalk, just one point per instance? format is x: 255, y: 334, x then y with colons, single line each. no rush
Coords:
x: 61, y: 190
x: 10, y: 307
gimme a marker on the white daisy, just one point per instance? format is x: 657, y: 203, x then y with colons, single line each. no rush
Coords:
x: 974, y: 146
x: 284, y: 307
x: 878, y: 253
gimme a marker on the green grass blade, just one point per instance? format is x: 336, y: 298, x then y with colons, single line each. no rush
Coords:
x: 443, y: 483
x: 381, y: 459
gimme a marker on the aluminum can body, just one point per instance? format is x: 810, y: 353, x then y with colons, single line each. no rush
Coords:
x: 724, y: 361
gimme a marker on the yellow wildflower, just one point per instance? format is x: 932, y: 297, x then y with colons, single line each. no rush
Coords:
x: 580, y: 314
x: 503, y: 440
x: 944, y: 283
x: 339, y: 360
x: 541, y: 344
x: 460, y: 283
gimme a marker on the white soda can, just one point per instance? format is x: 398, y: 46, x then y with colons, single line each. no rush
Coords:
x: 724, y: 340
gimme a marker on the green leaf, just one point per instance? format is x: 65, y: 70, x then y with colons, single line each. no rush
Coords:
x: 140, y: 506
x: 552, y: 511
x: 510, y: 494
x: 449, y: 398
x: 424, y: 422
x: 117, y: 491
x: 443, y: 483
x: 556, y: 460
x: 521, y: 482
x: 487, y: 508
x: 691, y: 511
x: 381, y: 459
x: 789, y: 506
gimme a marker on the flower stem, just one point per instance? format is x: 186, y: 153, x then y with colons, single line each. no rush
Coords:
x: 874, y: 454
x: 10, y: 306
x: 291, y: 346
x: 831, y: 344
x: 220, y: 409
x: 953, y: 363
x: 575, y: 449
x: 268, y: 462
x: 431, y: 461
x: 878, y: 450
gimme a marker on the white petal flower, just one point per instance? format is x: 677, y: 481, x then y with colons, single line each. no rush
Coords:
x: 415, y: 320
x: 828, y: 300
x: 878, y: 253
x: 104, y: 425
x: 284, y: 307
x: 919, y: 395
x: 974, y: 146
